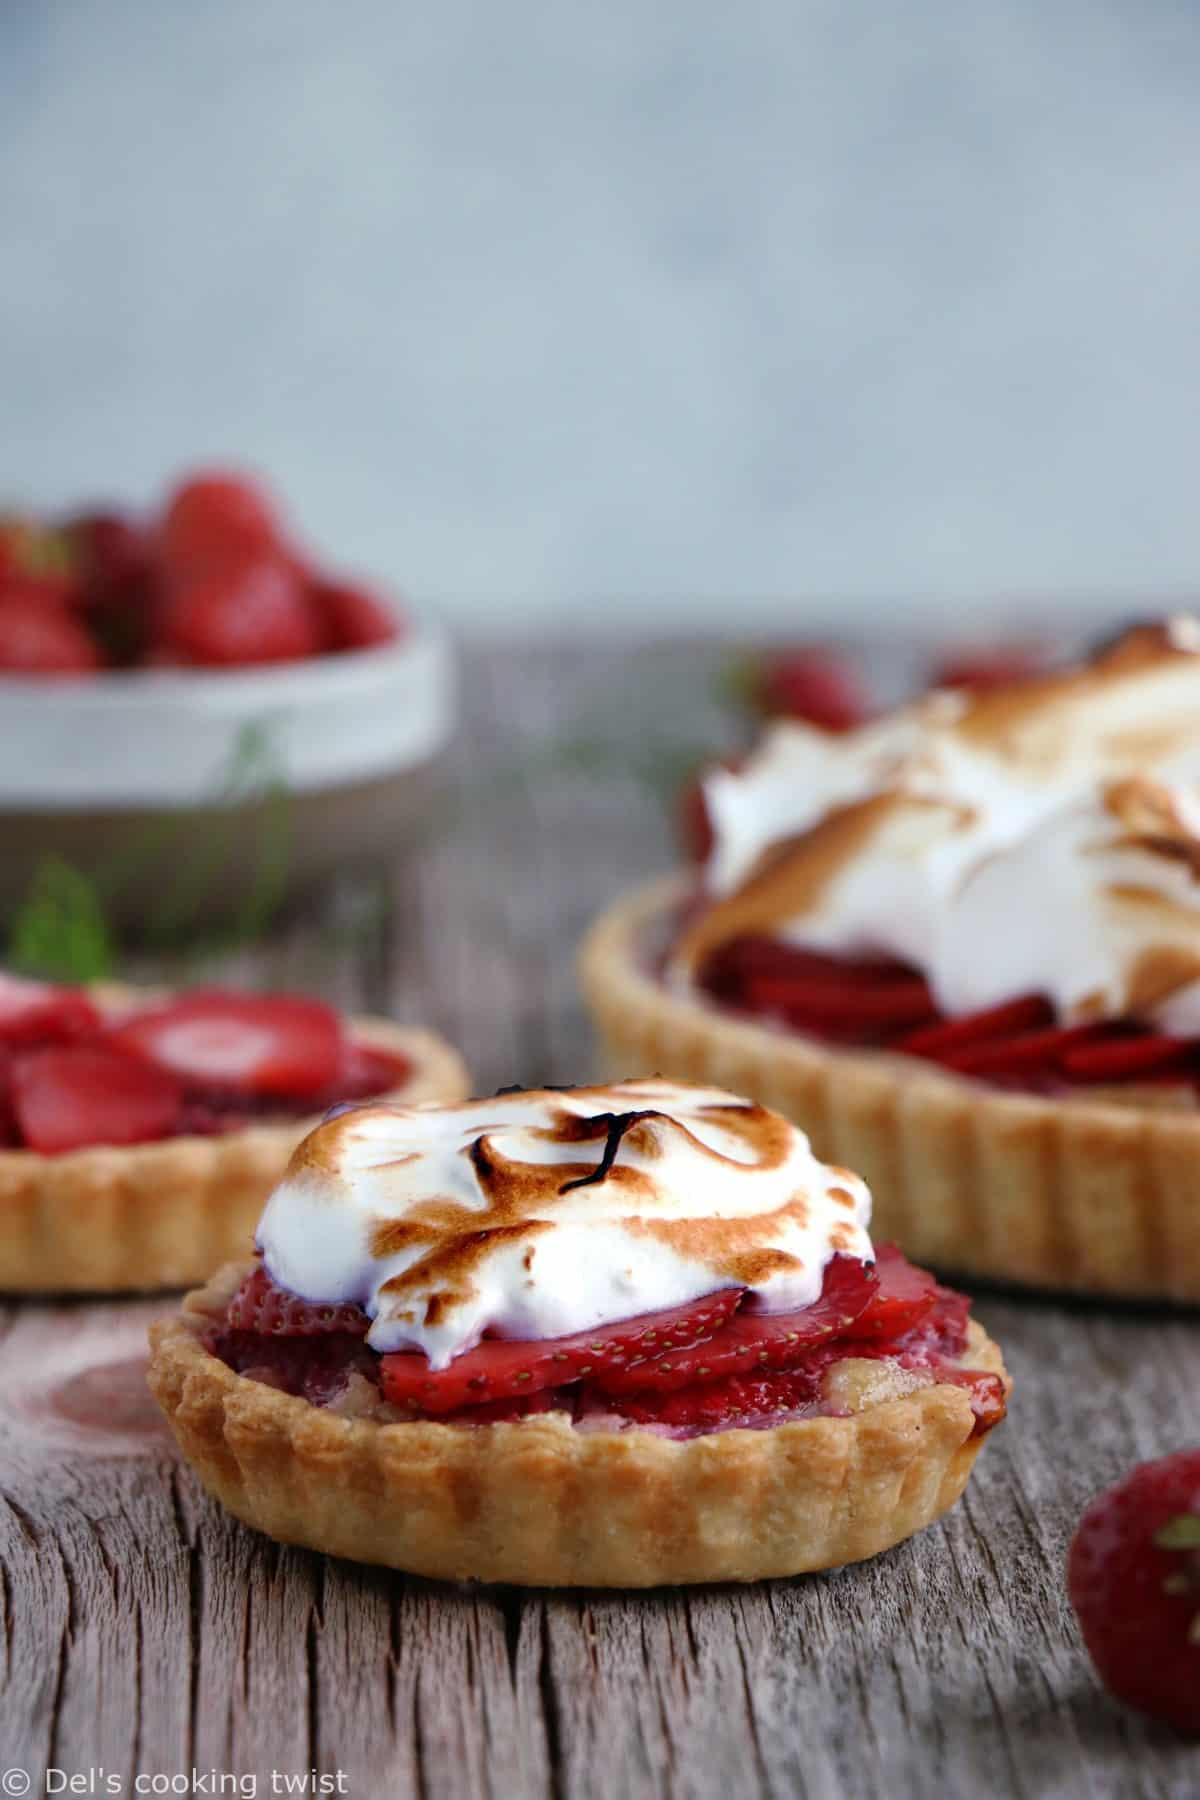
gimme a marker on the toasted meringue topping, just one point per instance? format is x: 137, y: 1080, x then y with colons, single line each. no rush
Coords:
x: 542, y: 1214
x: 1042, y: 837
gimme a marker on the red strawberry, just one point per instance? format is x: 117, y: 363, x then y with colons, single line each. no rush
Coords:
x: 813, y: 684
x: 367, y: 1071
x: 117, y: 592
x: 507, y: 1412
x: 500, y: 1368
x: 1025, y: 1053
x: 859, y: 1007
x: 752, y: 1340
x: 253, y: 611
x: 261, y: 1305
x: 903, y: 1297
x: 12, y: 542
x: 354, y: 618
x: 989, y: 1402
x: 214, y: 518
x: 82, y: 1094
x: 253, y: 1044
x: 950, y: 1036
x: 693, y: 825
x: 1119, y: 1057
x: 110, y: 552
x: 989, y: 667
x: 38, y: 635
x: 1133, y: 1575
x: 753, y: 1399
x: 37, y: 1012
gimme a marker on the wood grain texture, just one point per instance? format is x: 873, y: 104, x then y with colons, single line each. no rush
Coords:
x: 142, y: 1632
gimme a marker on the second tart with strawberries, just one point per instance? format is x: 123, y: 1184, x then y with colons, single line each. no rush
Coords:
x: 140, y: 1132
x: 614, y: 1336
x: 960, y: 946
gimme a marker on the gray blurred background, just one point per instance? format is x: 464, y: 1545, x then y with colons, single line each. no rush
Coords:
x: 772, y: 313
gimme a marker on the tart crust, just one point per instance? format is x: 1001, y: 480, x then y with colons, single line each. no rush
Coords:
x: 131, y: 1218
x: 1097, y: 1195
x: 543, y: 1504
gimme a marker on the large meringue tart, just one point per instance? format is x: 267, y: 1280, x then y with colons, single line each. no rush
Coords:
x: 616, y: 1336
x: 960, y: 947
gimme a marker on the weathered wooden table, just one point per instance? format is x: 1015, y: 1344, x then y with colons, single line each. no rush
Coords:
x: 146, y: 1635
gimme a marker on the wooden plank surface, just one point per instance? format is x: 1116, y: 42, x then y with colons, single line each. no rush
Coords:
x: 144, y: 1634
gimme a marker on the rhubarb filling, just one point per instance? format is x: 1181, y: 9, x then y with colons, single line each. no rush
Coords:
x: 879, y: 1003
x: 876, y: 1331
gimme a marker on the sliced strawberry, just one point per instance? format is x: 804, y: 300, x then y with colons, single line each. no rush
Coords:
x: 253, y: 1044
x: 499, y: 1368
x: 953, y: 1035
x: 243, y: 613
x: 989, y: 1402
x: 904, y: 1295
x: 214, y: 517
x: 367, y: 1071
x: 37, y: 1012
x: 750, y: 1399
x: 317, y: 1367
x: 354, y: 617
x: 753, y: 1340
x: 68, y: 1098
x: 1023, y: 1054
x: 508, y: 1412
x: 263, y: 1306
x: 896, y: 1001
x: 1116, y: 1058
x: 38, y: 635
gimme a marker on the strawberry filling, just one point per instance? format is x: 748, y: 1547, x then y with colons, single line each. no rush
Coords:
x: 204, y: 1063
x: 702, y: 1367
x: 877, y: 1003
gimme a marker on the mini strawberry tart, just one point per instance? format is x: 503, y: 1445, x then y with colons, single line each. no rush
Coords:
x: 960, y: 946
x: 614, y: 1337
x: 141, y: 1133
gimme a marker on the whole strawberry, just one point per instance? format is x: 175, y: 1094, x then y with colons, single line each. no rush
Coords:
x: 811, y: 683
x: 1133, y: 1575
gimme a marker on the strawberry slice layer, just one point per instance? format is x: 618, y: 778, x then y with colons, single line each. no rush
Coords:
x: 72, y: 1097
x: 498, y: 1368
x: 261, y: 1305
x: 755, y: 1399
x: 277, y: 1044
x: 876, y: 1002
x: 754, y: 1340
x: 903, y: 1296
x: 699, y: 1368
x: 37, y: 1012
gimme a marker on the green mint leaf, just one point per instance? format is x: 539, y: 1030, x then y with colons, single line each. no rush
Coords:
x: 60, y: 930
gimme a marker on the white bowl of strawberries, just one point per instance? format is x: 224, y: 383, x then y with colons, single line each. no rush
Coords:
x: 165, y: 681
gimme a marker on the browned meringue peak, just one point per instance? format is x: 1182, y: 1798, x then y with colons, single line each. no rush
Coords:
x: 1135, y: 702
x: 543, y: 1213
x: 899, y: 817
x: 793, y: 880
x: 1156, y: 817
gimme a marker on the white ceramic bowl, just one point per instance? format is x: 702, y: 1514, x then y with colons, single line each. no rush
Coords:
x: 95, y: 770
